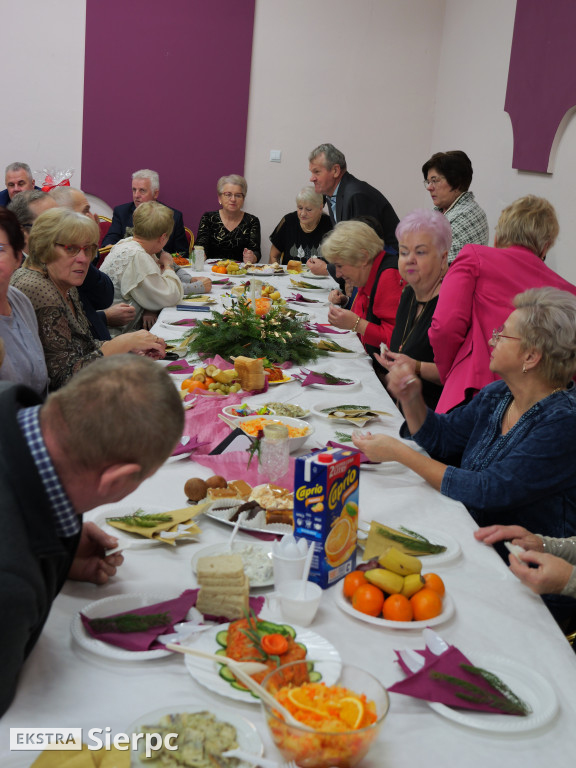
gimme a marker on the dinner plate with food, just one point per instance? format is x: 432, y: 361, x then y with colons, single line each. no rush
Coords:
x: 201, y: 733
x: 346, y: 413
x: 269, y: 509
x: 434, y: 546
x: 256, y: 559
x: 233, y: 640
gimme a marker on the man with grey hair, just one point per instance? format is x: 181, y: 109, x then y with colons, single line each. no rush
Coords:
x: 348, y: 197
x: 92, y: 442
x: 27, y: 206
x: 18, y: 178
x: 145, y: 187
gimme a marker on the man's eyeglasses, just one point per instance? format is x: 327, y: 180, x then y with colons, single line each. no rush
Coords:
x: 433, y: 181
x: 497, y: 335
x: 73, y: 250
x: 235, y: 195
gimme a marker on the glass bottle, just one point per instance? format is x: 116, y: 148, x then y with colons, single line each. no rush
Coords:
x: 274, y: 452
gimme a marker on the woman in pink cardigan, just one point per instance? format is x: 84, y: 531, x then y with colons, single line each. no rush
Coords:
x: 477, y: 292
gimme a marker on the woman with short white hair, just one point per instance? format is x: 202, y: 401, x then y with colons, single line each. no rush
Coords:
x: 298, y: 235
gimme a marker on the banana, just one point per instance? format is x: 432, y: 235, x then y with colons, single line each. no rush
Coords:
x: 199, y: 374
x: 398, y: 562
x: 412, y: 583
x: 389, y: 582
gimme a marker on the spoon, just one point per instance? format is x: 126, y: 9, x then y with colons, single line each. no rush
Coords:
x: 239, y: 668
x: 414, y: 661
x: 306, y: 571
x: 241, y: 518
x: 435, y: 644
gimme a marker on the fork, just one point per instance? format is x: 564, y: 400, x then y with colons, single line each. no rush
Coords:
x: 255, y: 760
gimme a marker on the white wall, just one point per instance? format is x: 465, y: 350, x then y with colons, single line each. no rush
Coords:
x: 387, y: 81
x: 361, y: 75
x: 43, y: 84
x: 470, y: 115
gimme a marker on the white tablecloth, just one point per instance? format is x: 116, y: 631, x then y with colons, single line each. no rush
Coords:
x: 62, y: 685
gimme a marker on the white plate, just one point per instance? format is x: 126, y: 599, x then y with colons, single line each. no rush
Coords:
x: 317, y: 411
x: 529, y: 685
x: 247, y: 734
x: 347, y: 355
x: 222, y: 517
x: 126, y: 536
x: 223, y: 548
x: 199, y: 299
x: 346, y: 606
x: 228, y: 410
x: 312, y: 276
x: 435, y: 536
x: 320, y: 289
x: 261, y: 271
x: 205, y: 671
x: 109, y: 606
x: 336, y: 387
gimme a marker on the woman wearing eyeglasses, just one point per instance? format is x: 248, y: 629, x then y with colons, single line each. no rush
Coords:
x: 447, y: 176
x: 477, y: 293
x: 509, y: 454
x: 230, y: 233
x: 62, y: 244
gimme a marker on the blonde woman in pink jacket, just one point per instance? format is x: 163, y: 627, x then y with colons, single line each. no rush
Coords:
x: 477, y: 292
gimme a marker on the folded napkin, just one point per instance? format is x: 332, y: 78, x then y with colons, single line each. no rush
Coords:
x: 179, y: 525
x: 325, y: 328
x: 226, y: 282
x: 363, y: 458
x: 169, y: 612
x: 297, y: 297
x: 315, y: 377
x: 191, y: 445
x: 186, y: 321
x: 180, y: 366
x: 425, y: 685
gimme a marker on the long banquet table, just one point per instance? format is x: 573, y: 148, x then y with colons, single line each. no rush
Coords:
x: 64, y: 685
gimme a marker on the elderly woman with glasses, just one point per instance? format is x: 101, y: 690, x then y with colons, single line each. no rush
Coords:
x: 509, y: 454
x: 230, y: 233
x: 298, y: 235
x: 61, y: 246
x: 477, y: 293
x: 447, y: 176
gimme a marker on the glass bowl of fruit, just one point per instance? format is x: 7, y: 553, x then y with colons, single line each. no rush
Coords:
x: 346, y: 717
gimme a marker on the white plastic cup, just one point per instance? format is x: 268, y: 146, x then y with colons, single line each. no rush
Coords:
x: 287, y: 568
x: 298, y: 601
x: 198, y: 257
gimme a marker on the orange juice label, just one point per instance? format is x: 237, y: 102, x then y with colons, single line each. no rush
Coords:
x: 326, y: 492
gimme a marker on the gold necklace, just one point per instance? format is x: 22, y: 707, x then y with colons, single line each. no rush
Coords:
x: 513, y: 403
x: 406, y: 334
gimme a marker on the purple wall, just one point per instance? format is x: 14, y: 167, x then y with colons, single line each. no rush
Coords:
x: 166, y: 87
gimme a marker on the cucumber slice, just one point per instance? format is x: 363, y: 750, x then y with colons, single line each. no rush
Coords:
x: 220, y: 652
x: 226, y: 674
x: 222, y: 638
x: 315, y: 677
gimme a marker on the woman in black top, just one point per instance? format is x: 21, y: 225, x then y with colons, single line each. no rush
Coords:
x: 424, y: 239
x: 299, y: 234
x: 230, y: 233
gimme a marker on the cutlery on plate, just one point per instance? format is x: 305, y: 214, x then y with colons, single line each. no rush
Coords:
x: 132, y: 545
x: 239, y: 670
x: 414, y: 661
x: 248, y: 667
x: 226, y: 420
x: 435, y: 644
x: 256, y: 760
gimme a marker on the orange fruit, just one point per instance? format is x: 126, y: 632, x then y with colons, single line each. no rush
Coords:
x: 304, y: 699
x: 191, y: 384
x: 368, y: 599
x: 426, y: 604
x: 434, y: 582
x: 397, y: 608
x: 352, y: 581
x: 352, y: 711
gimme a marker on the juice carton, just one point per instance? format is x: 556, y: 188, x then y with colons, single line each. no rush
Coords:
x: 326, y: 511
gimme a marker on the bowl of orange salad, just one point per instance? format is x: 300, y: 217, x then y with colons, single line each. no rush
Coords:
x: 298, y: 430
x: 346, y: 717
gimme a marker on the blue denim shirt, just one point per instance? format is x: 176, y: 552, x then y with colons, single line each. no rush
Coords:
x: 525, y: 477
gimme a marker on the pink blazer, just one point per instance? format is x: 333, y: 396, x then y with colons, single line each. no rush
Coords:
x: 476, y: 297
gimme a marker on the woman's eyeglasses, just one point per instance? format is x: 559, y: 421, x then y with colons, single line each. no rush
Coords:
x: 235, y: 195
x: 73, y: 250
x: 433, y: 181
x: 497, y: 335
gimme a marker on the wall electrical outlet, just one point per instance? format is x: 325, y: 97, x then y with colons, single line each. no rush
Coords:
x: 275, y: 155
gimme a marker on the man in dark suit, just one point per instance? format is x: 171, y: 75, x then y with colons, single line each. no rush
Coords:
x: 348, y: 197
x: 145, y: 187
x: 18, y: 179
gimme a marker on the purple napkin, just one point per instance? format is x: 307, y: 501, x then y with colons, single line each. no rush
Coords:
x: 180, y: 366
x: 298, y: 298
x: 314, y: 378
x: 363, y: 458
x: 190, y: 446
x: 226, y: 282
x: 422, y: 686
x: 188, y: 321
x: 325, y: 328
x: 147, y: 640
